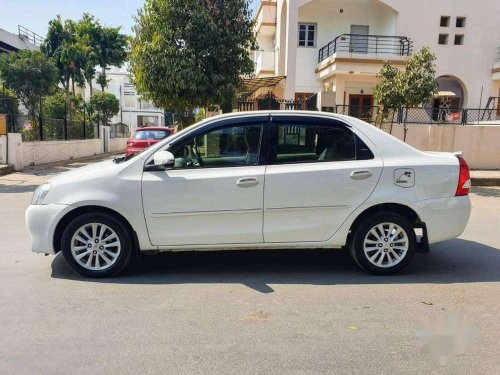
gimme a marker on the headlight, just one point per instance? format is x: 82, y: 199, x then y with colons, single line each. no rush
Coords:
x: 40, y: 193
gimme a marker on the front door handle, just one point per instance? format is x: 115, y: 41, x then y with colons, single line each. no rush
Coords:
x: 360, y: 174
x: 247, y: 182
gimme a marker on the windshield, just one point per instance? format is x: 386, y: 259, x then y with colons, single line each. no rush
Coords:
x: 151, y: 134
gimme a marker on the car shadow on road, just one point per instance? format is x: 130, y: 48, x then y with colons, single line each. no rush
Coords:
x: 454, y: 261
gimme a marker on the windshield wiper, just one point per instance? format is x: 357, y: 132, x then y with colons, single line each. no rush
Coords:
x: 123, y: 158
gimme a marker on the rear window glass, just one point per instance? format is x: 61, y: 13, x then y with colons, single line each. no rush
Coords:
x: 151, y: 134
x: 305, y: 143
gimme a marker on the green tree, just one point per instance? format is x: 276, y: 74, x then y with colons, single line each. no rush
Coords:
x: 30, y: 76
x: 104, y: 106
x: 78, y: 47
x: 110, y: 50
x: 88, y: 32
x: 62, y: 45
x: 411, y: 87
x: 190, y: 53
x: 8, y: 101
x: 200, y: 115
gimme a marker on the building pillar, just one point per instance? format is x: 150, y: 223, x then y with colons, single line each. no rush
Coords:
x: 291, y: 49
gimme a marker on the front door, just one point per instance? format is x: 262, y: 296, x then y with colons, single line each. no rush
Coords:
x: 319, y: 173
x: 214, y: 194
x: 361, y: 106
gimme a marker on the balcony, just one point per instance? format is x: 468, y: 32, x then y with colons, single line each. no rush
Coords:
x: 367, y: 45
x: 265, y: 17
x: 264, y: 63
x: 356, y: 54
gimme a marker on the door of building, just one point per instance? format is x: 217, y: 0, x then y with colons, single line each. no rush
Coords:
x: 359, y: 39
x: 361, y: 106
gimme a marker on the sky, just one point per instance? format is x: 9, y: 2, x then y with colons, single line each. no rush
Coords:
x: 36, y: 14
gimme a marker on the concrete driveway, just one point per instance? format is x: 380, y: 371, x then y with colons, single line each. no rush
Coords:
x: 300, y: 312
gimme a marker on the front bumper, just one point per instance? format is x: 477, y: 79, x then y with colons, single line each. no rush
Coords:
x: 42, y: 221
x: 444, y: 218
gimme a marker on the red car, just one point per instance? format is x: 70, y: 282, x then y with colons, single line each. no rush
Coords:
x: 142, y: 138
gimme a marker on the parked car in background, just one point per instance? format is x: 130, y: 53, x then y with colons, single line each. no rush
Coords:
x: 144, y: 137
x: 259, y: 180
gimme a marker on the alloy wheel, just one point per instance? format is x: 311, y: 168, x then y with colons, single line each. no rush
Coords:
x: 95, y: 246
x: 385, y: 245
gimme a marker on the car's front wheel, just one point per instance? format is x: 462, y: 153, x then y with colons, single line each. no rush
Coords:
x: 97, y: 245
x: 384, y: 243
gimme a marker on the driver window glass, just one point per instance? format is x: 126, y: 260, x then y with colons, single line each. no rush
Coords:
x: 226, y: 147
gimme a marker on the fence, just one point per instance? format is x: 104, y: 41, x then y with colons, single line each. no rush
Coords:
x: 52, y: 129
x: 422, y: 115
x: 119, y: 130
x: 270, y: 102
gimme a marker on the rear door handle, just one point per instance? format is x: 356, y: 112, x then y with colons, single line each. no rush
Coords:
x: 247, y: 182
x: 360, y: 174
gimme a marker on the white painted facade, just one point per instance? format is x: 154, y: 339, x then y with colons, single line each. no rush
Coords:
x: 134, y: 111
x: 472, y: 63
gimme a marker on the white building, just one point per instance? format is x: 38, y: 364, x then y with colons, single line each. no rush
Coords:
x: 134, y: 111
x: 336, y: 47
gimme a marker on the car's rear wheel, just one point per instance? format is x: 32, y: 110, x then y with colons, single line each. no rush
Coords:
x: 384, y: 243
x: 97, y: 245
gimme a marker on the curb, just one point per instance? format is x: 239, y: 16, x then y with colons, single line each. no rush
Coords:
x: 6, y: 169
x: 485, y: 181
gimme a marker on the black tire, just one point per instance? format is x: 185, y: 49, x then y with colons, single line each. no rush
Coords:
x: 356, y: 245
x: 124, y: 258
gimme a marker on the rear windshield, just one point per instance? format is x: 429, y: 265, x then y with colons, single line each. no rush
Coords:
x: 151, y: 134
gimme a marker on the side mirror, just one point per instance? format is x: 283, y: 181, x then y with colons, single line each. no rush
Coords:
x: 162, y: 161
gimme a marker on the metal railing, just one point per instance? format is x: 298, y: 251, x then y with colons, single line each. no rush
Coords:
x: 422, y: 115
x: 29, y: 35
x: 52, y: 129
x: 374, y: 44
x: 270, y: 102
x: 119, y: 130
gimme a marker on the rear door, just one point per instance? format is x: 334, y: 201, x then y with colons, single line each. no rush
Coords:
x: 319, y: 172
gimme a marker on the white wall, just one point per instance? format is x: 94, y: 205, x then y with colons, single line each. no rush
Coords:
x: 117, y: 144
x: 3, y: 149
x: 330, y: 24
x: 23, y: 154
x: 478, y: 143
x: 470, y: 62
x: 419, y: 20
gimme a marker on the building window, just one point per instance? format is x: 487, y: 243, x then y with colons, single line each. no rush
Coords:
x: 460, y: 22
x: 307, y: 34
x: 459, y: 39
x: 129, y: 100
x: 443, y: 39
x: 445, y: 21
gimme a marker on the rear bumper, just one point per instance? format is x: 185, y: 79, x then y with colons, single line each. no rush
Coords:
x: 42, y: 221
x: 445, y: 218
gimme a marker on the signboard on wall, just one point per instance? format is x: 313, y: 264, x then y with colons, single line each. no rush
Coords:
x: 3, y: 124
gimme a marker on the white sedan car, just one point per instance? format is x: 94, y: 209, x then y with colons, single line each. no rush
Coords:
x: 259, y: 180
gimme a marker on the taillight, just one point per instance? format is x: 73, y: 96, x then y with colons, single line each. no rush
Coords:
x: 464, y: 182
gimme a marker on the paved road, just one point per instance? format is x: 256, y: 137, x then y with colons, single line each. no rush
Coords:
x: 272, y: 312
